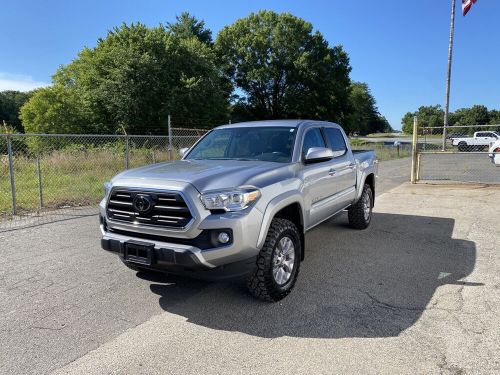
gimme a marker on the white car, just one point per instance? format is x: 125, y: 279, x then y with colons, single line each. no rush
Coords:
x: 495, y: 153
x: 480, y: 141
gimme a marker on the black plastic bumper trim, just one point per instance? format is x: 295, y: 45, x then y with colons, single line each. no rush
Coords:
x: 186, y: 263
x: 162, y: 255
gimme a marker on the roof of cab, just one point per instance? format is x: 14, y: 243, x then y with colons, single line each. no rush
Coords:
x: 284, y: 123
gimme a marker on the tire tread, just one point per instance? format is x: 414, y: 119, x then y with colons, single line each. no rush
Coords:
x: 356, y: 213
x: 260, y: 283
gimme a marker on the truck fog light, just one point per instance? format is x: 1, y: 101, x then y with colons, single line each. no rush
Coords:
x: 223, y: 237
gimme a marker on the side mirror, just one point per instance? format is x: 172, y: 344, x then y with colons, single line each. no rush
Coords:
x: 318, y: 154
x: 183, y: 151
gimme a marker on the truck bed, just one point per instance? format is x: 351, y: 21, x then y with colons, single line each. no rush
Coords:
x: 362, y: 156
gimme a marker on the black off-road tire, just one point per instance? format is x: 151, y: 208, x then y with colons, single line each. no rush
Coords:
x: 357, y: 214
x: 462, y: 146
x: 261, y: 283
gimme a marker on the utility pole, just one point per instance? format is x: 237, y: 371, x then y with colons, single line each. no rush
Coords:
x: 170, y: 148
x: 448, y: 79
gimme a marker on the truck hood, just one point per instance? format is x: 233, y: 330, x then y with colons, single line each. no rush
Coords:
x: 207, y: 175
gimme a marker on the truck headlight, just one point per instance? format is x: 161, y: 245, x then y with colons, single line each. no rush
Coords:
x: 107, y: 188
x: 231, y: 200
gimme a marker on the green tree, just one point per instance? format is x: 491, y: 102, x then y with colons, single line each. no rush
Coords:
x: 476, y: 115
x: 364, y: 116
x: 187, y: 26
x: 383, y: 124
x: 427, y: 116
x: 434, y: 115
x: 10, y: 104
x: 280, y: 68
x: 407, y: 122
x: 54, y: 109
x: 133, y: 79
x: 5, y: 129
x: 494, y: 117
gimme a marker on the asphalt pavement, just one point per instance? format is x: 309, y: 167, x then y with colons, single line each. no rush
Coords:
x: 416, y: 292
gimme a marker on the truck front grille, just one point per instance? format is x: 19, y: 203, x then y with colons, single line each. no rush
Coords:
x: 161, y: 209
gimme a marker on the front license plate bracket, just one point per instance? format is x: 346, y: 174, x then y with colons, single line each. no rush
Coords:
x: 140, y: 253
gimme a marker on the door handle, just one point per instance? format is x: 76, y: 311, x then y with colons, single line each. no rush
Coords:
x: 332, y: 172
x: 352, y: 165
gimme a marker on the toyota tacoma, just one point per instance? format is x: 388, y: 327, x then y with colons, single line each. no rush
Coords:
x: 239, y: 202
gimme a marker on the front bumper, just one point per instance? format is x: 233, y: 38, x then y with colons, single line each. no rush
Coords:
x: 185, y: 263
x: 180, y: 255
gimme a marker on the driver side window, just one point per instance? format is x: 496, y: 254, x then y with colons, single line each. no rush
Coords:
x: 313, y: 138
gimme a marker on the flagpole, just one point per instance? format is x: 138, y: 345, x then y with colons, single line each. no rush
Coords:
x: 448, y: 79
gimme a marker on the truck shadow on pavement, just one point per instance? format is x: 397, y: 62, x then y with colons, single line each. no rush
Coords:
x: 372, y: 283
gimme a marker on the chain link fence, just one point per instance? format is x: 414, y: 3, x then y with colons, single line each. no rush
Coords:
x: 45, y: 178
x: 384, y: 150
x: 50, y: 177
x: 466, y: 154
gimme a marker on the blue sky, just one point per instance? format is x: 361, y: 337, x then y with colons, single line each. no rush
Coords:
x: 398, y: 47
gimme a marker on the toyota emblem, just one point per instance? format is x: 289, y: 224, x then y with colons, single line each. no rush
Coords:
x: 143, y: 203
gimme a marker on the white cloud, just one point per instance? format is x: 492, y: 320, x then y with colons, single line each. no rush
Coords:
x: 19, y: 82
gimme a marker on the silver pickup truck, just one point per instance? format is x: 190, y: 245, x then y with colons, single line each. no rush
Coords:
x: 239, y: 202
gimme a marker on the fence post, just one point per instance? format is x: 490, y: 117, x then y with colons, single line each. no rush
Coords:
x: 414, y: 152
x: 170, y: 150
x: 126, y: 152
x: 11, y: 173
x: 418, y: 168
x: 39, y: 175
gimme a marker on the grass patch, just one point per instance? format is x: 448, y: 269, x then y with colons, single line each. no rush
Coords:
x: 383, y: 152
x: 69, y: 178
x: 384, y: 135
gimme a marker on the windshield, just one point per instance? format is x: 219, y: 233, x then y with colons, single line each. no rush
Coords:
x: 250, y: 143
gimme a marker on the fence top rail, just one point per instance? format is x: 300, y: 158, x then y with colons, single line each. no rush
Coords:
x: 194, y: 129
x: 460, y: 126
x: 458, y: 152
x: 82, y: 135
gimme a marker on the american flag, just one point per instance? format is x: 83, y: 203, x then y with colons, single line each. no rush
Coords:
x: 466, y: 4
